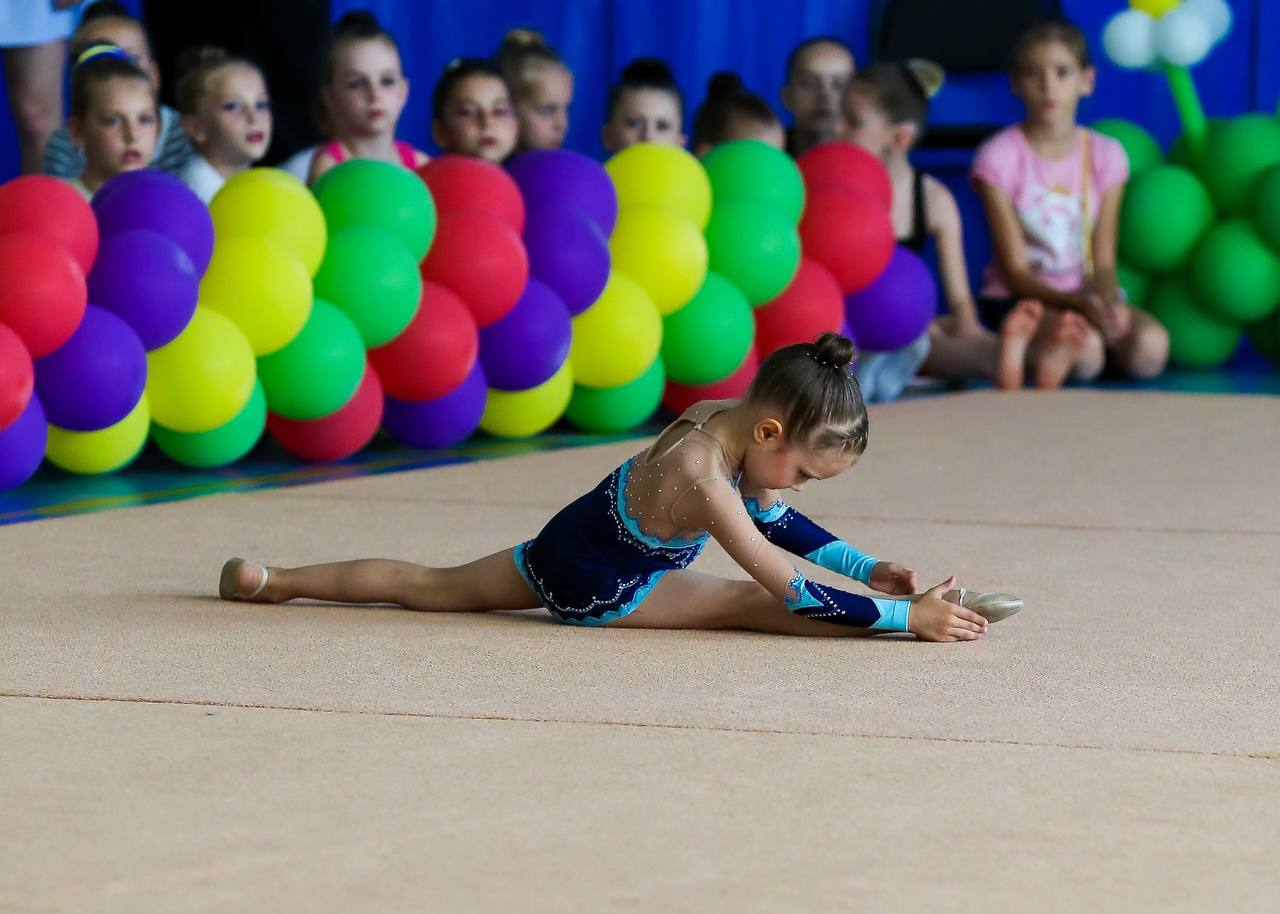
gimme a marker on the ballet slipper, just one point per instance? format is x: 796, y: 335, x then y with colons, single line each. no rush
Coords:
x: 227, y: 588
x: 991, y: 606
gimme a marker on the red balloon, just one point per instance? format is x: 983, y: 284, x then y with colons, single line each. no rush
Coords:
x: 810, y: 306
x: 848, y: 166
x: 339, y: 434
x: 17, y: 377
x: 463, y: 182
x: 480, y: 258
x: 42, y: 292
x: 847, y: 232
x: 434, y: 354
x: 41, y: 205
x: 679, y: 397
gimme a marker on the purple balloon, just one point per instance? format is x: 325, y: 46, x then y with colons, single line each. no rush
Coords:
x: 158, y: 202
x: 441, y: 422
x: 568, y: 253
x: 94, y: 379
x: 22, y: 445
x: 528, y: 344
x: 897, y: 307
x: 564, y: 178
x: 149, y: 281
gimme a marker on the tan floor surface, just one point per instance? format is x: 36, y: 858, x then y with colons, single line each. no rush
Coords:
x: 1116, y: 747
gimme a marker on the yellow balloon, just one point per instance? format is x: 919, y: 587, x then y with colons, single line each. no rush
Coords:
x: 204, y: 377
x: 262, y: 287
x: 662, y: 251
x: 104, y: 451
x: 647, y: 174
x: 270, y: 203
x: 523, y: 413
x: 617, y: 338
x: 1154, y: 8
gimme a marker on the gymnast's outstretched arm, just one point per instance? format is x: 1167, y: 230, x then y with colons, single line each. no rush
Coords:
x: 788, y: 529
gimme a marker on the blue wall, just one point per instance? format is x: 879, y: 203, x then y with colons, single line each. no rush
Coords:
x: 753, y: 37
x: 698, y: 37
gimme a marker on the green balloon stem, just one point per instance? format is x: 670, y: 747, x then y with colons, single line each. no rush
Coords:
x: 1187, y: 101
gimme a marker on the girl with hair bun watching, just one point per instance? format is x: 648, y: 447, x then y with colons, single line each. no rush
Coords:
x: 732, y: 112
x: 644, y: 106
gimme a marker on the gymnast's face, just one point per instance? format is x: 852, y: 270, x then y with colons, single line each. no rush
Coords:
x: 478, y: 120
x: 866, y: 124
x: 775, y: 462
x: 644, y: 116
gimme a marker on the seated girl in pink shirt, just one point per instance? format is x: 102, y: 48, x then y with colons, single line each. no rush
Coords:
x: 1036, y: 179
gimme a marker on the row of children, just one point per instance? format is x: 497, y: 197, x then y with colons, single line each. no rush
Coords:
x: 1050, y: 188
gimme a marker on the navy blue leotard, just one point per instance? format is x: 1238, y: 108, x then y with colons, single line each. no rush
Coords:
x: 595, y: 562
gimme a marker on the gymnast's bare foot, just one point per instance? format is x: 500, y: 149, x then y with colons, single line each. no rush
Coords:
x: 1015, y: 334
x: 1064, y: 337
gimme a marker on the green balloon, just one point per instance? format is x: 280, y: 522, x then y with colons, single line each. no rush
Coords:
x: 707, y: 339
x: 222, y: 445
x: 1166, y: 209
x: 1266, y: 211
x: 317, y: 373
x: 754, y: 248
x: 1140, y: 146
x: 1180, y: 151
x: 365, y: 192
x: 749, y: 171
x: 1235, y: 275
x: 616, y: 409
x: 1235, y: 156
x: 1135, y: 284
x: 371, y: 276
x: 1197, y: 339
x: 1265, y: 336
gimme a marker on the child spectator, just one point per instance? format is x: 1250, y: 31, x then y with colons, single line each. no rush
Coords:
x: 730, y: 112
x: 363, y: 91
x: 113, y: 116
x: 1051, y: 190
x: 227, y: 115
x: 541, y: 88
x: 644, y: 106
x: 108, y: 22
x: 818, y: 70
x: 472, y: 114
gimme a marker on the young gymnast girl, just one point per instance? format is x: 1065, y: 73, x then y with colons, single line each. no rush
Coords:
x: 1052, y: 190
x: 114, y: 117
x: 644, y: 106
x: 471, y: 111
x: 227, y: 114
x: 541, y: 88
x: 733, y: 112
x: 619, y: 554
x: 362, y: 94
x: 886, y: 108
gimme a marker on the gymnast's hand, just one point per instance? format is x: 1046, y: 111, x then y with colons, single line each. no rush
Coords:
x: 892, y: 578
x: 933, y: 618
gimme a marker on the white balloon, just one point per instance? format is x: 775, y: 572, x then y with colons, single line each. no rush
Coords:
x: 1216, y: 14
x: 1182, y: 37
x: 1129, y: 40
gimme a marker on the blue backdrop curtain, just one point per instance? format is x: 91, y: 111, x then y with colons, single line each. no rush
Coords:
x: 753, y: 37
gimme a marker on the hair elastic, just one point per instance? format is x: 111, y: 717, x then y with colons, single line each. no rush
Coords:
x: 100, y: 51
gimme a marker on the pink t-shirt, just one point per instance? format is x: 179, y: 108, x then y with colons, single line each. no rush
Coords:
x: 1046, y: 195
